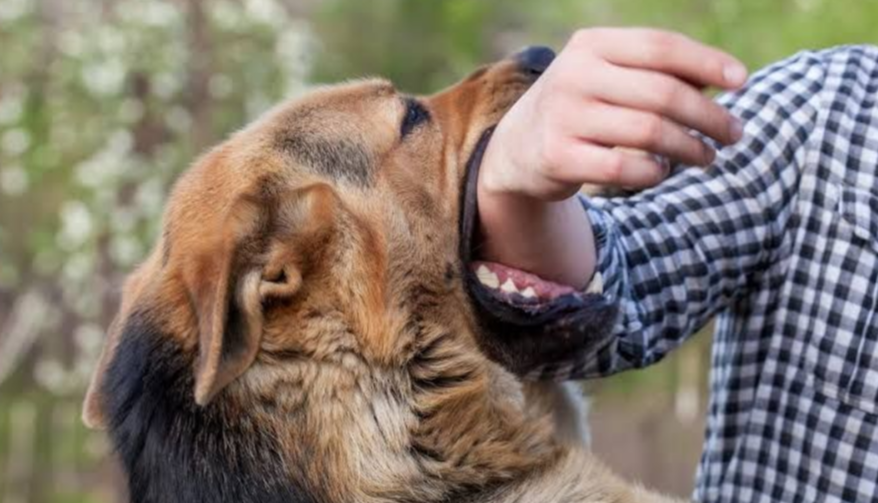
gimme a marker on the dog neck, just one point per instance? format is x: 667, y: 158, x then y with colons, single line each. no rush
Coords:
x: 174, y: 451
x: 448, y: 426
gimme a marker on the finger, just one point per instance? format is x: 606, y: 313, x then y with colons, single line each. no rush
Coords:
x: 667, y: 52
x: 667, y: 96
x: 662, y: 161
x: 582, y: 162
x: 608, y: 124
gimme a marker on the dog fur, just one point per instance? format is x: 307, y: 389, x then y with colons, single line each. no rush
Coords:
x: 302, y: 331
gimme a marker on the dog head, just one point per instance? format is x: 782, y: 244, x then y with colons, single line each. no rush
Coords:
x: 324, y: 250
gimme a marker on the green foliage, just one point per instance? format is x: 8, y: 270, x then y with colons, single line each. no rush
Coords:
x: 104, y: 102
x: 757, y: 31
x: 101, y: 106
x: 420, y: 45
x: 424, y: 45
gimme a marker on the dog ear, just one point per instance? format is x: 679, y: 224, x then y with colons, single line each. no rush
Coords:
x: 93, y: 412
x: 263, y: 244
x: 230, y: 289
x: 93, y: 415
x: 224, y: 288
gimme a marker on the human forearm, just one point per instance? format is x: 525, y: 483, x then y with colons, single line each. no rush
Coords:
x: 551, y: 238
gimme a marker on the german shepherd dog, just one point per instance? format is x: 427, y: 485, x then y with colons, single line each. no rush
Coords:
x: 311, y: 327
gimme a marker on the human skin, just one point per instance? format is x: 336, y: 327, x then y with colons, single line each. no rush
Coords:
x: 609, y: 93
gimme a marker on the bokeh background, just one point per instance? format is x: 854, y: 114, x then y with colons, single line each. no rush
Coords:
x: 104, y: 102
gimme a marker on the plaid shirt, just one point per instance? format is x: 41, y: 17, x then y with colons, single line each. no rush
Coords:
x: 778, y: 240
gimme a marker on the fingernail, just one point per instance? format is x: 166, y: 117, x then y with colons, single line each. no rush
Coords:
x: 735, y: 74
x: 665, y: 165
x: 736, y: 129
x: 709, y: 155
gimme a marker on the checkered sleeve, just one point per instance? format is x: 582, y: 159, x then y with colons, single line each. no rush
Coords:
x: 675, y: 255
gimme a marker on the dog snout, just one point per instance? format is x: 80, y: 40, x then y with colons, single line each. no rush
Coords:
x: 535, y: 59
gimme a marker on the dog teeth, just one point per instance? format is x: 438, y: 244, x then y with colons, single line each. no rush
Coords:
x: 528, y: 293
x: 509, y: 286
x: 487, y: 278
x: 597, y: 284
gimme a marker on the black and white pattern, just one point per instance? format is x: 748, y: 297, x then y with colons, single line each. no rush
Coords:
x: 779, y: 240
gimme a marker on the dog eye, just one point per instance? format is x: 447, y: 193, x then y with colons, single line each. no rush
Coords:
x: 415, y: 114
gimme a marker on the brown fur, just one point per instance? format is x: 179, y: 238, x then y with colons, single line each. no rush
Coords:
x: 310, y: 265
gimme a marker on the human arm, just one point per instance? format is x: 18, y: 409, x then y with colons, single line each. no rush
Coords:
x: 634, y: 88
x: 675, y: 255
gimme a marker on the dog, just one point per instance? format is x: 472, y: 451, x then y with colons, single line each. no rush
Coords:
x: 311, y: 326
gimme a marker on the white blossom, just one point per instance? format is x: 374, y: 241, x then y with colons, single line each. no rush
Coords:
x: 77, y: 225
x: 226, y: 14
x: 265, y: 11
x: 105, y: 77
x: 150, y: 196
x: 114, y: 194
x: 77, y: 268
x: 15, y: 141
x: 12, y: 10
x: 89, y: 337
x: 125, y: 250
x: 72, y: 43
x: 154, y: 14
x: 11, y: 106
x: 49, y: 374
x: 110, y: 39
x: 13, y: 180
x: 166, y: 85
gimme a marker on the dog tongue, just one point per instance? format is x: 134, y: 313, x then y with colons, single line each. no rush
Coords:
x: 509, y: 280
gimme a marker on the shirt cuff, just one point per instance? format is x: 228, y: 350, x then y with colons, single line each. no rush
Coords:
x: 606, y: 270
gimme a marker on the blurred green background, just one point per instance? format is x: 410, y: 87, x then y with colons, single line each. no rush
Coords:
x: 104, y: 102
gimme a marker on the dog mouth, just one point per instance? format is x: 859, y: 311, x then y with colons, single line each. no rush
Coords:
x: 515, y: 286
x: 512, y: 287
x: 527, y: 323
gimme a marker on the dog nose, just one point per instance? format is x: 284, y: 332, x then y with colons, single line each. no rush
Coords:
x: 535, y: 59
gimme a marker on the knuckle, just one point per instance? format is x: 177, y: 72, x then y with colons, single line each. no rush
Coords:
x: 561, y: 80
x: 589, y: 40
x: 669, y: 95
x: 612, y: 165
x: 651, y: 130
x: 719, y: 122
x: 659, y: 44
x: 553, y: 155
x: 690, y: 149
x: 657, y: 39
x: 554, y: 86
x: 679, y: 39
x: 553, y: 116
x: 582, y: 36
x: 715, y: 121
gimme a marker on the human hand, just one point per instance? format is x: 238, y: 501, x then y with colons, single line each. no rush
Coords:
x: 609, y: 92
